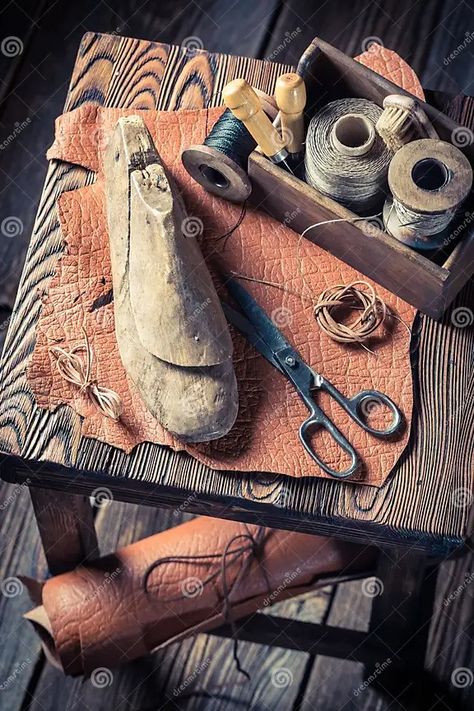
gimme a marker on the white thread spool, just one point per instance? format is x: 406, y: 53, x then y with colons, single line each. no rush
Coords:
x: 353, y: 135
x: 428, y: 179
x: 345, y: 157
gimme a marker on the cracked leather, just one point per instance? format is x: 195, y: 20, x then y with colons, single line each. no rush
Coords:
x: 99, y: 614
x: 265, y: 436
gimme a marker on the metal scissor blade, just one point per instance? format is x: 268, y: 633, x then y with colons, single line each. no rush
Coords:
x: 262, y: 324
x: 242, y: 324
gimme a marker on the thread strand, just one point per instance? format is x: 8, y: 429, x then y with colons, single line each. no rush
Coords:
x: 77, y: 371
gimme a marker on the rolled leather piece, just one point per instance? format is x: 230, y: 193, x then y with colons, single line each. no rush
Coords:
x: 206, y: 571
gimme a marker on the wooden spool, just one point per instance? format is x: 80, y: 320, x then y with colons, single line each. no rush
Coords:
x: 427, y: 176
x: 217, y: 173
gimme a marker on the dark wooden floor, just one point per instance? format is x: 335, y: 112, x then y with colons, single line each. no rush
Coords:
x: 34, y: 72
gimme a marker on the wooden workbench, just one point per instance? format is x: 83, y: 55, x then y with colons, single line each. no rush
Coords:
x: 422, y: 37
x: 424, y: 504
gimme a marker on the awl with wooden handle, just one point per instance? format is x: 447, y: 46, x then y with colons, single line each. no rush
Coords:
x: 244, y: 103
x: 290, y: 95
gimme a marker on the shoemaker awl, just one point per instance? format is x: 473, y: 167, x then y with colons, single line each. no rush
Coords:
x: 244, y: 103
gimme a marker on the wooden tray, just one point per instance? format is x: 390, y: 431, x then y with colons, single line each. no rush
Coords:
x: 428, y: 283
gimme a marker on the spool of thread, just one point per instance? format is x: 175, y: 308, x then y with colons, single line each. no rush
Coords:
x: 428, y: 181
x: 345, y: 158
x: 220, y: 163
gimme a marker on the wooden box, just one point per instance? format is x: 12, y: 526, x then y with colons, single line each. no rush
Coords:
x: 428, y: 282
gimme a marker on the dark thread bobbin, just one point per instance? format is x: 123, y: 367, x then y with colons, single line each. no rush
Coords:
x: 220, y: 163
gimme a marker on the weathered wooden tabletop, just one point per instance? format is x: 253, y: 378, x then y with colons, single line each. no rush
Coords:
x: 425, y: 503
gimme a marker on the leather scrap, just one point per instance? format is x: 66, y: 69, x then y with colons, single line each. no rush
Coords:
x: 265, y: 436
x: 390, y: 65
x: 99, y: 614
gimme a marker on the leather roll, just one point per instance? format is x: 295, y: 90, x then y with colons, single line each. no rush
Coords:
x: 206, y: 571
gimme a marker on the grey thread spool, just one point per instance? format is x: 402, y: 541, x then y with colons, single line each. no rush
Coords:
x: 345, y: 158
x: 428, y: 179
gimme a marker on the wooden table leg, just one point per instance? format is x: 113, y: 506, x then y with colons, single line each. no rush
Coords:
x: 400, y: 621
x: 66, y: 526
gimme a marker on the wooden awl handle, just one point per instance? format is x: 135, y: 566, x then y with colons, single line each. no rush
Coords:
x: 244, y: 103
x: 290, y: 95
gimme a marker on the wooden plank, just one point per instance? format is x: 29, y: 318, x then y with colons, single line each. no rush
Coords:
x: 21, y: 554
x: 450, y: 657
x: 340, y: 679
x: 66, y: 526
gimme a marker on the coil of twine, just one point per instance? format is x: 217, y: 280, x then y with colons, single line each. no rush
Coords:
x: 373, y: 311
x: 345, y: 157
x: 77, y: 371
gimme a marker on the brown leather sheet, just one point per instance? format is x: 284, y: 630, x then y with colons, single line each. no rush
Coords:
x: 99, y: 614
x: 265, y: 436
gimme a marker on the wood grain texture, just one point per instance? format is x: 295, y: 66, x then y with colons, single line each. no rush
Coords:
x: 66, y: 527
x: 421, y: 505
x: 20, y: 554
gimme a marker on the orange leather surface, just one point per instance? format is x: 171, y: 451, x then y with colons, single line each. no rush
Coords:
x: 101, y: 616
x: 390, y: 65
x: 265, y: 437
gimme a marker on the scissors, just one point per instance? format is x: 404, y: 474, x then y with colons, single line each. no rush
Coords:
x: 261, y: 332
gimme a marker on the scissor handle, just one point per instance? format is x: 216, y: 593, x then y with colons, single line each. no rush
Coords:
x: 316, y: 420
x: 354, y: 406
